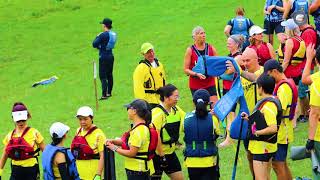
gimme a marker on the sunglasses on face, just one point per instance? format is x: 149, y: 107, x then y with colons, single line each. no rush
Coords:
x: 21, y: 121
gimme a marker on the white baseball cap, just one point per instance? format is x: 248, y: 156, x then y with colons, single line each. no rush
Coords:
x: 59, y: 129
x: 84, y: 111
x: 20, y: 115
x: 255, y: 30
x: 290, y: 24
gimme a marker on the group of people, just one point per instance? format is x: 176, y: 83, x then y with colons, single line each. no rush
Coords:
x: 275, y: 85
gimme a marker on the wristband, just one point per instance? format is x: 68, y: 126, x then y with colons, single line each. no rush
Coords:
x: 115, y: 148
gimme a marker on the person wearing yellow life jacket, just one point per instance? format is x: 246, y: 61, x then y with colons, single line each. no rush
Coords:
x: 22, y: 146
x: 57, y: 161
x: 287, y: 93
x: 148, y: 76
x: 88, y: 145
x: 263, y: 127
x: 138, y: 145
x: 166, y: 118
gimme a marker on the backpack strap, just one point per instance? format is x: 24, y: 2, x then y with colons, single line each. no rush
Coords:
x: 163, y: 109
x: 196, y: 50
x: 91, y: 130
x: 23, y: 133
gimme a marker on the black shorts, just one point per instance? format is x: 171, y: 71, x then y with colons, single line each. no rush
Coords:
x: 137, y: 175
x: 211, y: 173
x: 263, y: 157
x: 25, y: 173
x: 212, y: 90
x: 173, y: 165
x: 272, y: 27
x: 281, y: 154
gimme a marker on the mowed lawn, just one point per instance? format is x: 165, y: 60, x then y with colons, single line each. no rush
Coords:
x: 40, y: 39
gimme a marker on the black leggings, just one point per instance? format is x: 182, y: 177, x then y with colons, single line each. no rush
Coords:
x: 137, y: 175
x: 105, y: 74
x: 203, y: 173
x: 24, y: 173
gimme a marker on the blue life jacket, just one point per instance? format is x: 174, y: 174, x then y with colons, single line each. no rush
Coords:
x: 276, y: 15
x: 47, y: 160
x: 240, y: 25
x: 300, y: 5
x: 316, y: 15
x: 112, y: 40
x: 199, y: 136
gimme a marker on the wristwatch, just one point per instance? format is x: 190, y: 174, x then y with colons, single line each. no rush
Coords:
x: 115, y: 148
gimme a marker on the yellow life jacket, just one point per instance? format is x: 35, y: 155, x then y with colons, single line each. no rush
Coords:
x: 298, y: 57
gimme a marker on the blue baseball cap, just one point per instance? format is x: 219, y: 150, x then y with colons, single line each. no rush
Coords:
x: 201, y: 94
x: 271, y: 64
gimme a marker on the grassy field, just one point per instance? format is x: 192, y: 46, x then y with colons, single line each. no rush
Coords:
x: 44, y: 38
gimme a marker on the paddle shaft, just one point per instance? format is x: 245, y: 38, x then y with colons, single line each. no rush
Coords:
x: 237, y: 153
x: 95, y: 84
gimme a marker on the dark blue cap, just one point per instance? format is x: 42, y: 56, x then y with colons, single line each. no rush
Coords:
x: 201, y: 94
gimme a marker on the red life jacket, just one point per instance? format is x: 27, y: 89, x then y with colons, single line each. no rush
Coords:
x: 195, y: 82
x: 294, y: 100
x: 80, y: 147
x: 262, y: 52
x: 152, y: 145
x: 18, y: 148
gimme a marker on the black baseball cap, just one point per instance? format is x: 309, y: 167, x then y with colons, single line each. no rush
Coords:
x: 138, y: 104
x: 107, y: 22
x: 271, y: 64
x: 201, y: 94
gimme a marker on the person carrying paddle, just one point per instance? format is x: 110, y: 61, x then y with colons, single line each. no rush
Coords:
x: 201, y: 130
x: 87, y: 146
x: 22, y: 146
x: 263, y: 129
x: 137, y: 145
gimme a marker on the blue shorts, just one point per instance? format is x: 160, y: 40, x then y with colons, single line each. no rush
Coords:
x: 281, y: 154
x: 302, y: 90
x: 263, y: 157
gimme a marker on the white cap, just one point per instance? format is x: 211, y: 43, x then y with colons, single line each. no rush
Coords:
x: 255, y: 30
x: 85, y: 111
x: 290, y: 24
x: 59, y: 128
x: 20, y: 115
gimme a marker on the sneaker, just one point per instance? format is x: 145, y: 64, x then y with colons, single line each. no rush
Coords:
x: 108, y: 95
x: 103, y: 98
x: 303, y: 119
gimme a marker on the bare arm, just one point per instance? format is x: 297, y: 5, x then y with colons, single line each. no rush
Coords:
x: 187, y: 62
x: 227, y: 30
x: 271, y: 51
x: 287, y: 54
x: 306, y: 75
x: 249, y: 76
x: 42, y: 146
x: 100, y: 163
x: 286, y: 7
x: 314, y: 6
x: 313, y: 121
x: 3, y: 159
x: 131, y: 152
x: 266, y: 131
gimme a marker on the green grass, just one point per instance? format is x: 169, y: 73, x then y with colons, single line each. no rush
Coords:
x: 44, y: 38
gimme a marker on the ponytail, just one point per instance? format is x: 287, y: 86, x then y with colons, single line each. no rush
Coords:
x: 201, y: 108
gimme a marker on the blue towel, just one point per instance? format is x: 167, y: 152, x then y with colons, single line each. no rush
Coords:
x: 216, y: 66
x: 45, y: 81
